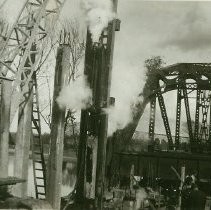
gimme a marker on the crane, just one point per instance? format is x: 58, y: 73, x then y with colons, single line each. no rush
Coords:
x: 19, y: 58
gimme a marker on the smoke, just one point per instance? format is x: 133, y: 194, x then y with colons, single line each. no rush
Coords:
x: 98, y: 14
x: 77, y: 95
x: 140, y: 195
x: 126, y: 87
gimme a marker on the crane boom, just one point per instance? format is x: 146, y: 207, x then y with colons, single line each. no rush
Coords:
x: 19, y: 58
x: 29, y: 29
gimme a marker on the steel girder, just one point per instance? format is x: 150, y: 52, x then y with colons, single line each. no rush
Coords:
x: 152, y: 119
x: 199, y: 73
x: 196, y: 126
x: 205, y: 101
x: 178, y: 79
x: 187, y: 109
x: 209, y: 140
x: 29, y: 29
x: 178, y: 117
x: 165, y: 119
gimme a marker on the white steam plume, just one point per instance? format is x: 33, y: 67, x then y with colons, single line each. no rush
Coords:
x: 98, y: 14
x: 77, y: 95
x: 126, y: 88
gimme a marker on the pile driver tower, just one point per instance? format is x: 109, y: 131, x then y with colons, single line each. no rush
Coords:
x: 19, y: 61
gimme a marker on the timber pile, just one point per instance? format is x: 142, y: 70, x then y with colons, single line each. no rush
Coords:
x: 10, y: 181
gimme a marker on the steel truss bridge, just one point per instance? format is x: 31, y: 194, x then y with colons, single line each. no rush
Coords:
x: 187, y: 79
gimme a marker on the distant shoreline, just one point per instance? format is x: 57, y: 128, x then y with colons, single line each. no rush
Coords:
x: 67, y: 158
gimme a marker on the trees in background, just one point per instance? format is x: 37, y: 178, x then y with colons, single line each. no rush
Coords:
x: 46, y: 66
x: 70, y: 34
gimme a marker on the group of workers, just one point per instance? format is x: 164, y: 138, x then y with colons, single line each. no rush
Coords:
x: 192, y: 197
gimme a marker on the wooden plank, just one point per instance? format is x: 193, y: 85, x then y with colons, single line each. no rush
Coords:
x: 6, y: 91
x: 22, y: 147
x: 10, y: 181
x: 54, y: 172
x: 104, y: 93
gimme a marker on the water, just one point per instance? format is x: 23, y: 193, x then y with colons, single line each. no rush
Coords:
x: 68, y: 177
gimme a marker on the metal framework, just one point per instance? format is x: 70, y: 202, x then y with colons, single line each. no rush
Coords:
x: 29, y: 28
x: 187, y: 109
x: 165, y: 119
x: 178, y: 117
x: 196, y: 128
x: 152, y: 119
x: 19, y: 58
x: 205, y: 100
x: 187, y: 79
x: 177, y: 77
x: 98, y: 64
x: 39, y: 166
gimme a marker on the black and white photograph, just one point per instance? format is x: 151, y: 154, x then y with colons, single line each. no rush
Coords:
x: 105, y: 104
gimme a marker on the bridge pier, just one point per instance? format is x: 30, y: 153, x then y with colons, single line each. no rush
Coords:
x: 6, y: 91
x: 22, y: 145
x: 55, y: 160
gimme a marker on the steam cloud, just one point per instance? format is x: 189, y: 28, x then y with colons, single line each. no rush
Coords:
x: 77, y: 95
x: 125, y: 88
x: 98, y: 14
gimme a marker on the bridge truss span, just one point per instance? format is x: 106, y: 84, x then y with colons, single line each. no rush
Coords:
x: 190, y: 81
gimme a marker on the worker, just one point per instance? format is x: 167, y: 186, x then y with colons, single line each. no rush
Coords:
x: 197, y: 199
x: 186, y: 190
x: 194, y: 177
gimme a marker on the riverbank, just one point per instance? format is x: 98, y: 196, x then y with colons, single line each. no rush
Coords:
x: 68, y: 156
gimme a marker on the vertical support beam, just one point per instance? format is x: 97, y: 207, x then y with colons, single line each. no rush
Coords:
x: 209, y: 140
x: 81, y: 158
x: 94, y: 167
x: 165, y: 120
x: 6, y: 91
x: 152, y: 119
x: 54, y: 172
x: 24, y: 130
x: 84, y: 121
x: 187, y: 109
x: 178, y: 117
x: 98, y: 66
x: 204, y: 134
x: 103, y: 117
x: 23, y: 137
x: 196, y: 127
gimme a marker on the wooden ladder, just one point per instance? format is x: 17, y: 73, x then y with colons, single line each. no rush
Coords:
x: 39, y: 167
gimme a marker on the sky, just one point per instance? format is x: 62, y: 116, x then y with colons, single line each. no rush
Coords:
x: 178, y: 31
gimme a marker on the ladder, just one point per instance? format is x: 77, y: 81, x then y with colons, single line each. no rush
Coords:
x: 39, y: 168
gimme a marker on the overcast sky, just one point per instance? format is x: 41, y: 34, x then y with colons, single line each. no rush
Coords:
x: 178, y: 31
